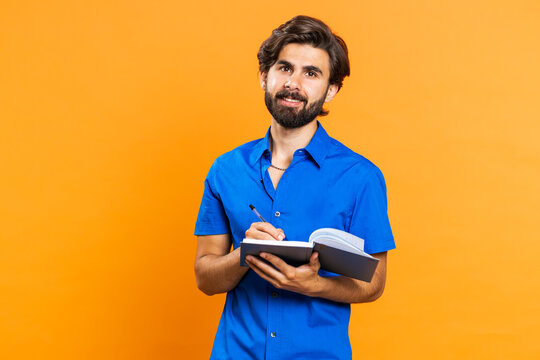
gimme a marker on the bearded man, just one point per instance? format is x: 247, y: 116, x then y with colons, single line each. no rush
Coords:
x: 300, y: 180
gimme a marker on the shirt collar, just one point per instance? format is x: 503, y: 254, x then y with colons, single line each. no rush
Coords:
x: 319, y: 144
x: 317, y: 147
x: 260, y: 147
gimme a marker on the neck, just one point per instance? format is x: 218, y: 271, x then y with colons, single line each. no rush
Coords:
x: 285, y: 142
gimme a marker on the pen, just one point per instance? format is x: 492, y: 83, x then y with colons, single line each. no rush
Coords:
x: 256, y: 212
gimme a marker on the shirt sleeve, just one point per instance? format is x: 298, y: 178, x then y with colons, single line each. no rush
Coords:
x: 370, y: 215
x: 212, y: 219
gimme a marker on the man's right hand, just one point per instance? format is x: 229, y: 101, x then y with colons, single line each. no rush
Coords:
x: 264, y: 231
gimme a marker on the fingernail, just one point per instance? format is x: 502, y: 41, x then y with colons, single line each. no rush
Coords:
x: 281, y: 236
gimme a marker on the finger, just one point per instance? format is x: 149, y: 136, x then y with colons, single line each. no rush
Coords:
x: 283, y: 268
x: 252, y: 233
x: 262, y: 274
x: 256, y: 231
x: 314, y: 261
x: 268, y: 228
x: 267, y: 268
x: 263, y: 269
x: 275, y: 260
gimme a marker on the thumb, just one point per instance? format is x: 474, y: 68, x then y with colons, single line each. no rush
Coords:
x: 314, y: 260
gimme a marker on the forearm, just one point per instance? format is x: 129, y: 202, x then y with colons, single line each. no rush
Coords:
x: 347, y: 290
x: 217, y: 274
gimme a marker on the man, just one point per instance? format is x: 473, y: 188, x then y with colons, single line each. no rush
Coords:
x: 300, y: 180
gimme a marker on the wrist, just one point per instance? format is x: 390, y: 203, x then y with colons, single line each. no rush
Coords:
x: 320, y: 287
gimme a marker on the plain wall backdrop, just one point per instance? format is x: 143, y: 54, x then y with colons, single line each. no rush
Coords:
x: 111, y: 114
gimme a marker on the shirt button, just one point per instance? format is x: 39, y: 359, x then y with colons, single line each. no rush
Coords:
x: 277, y: 213
x: 273, y: 334
x: 274, y: 294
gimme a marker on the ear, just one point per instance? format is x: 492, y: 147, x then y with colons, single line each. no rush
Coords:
x: 332, y: 91
x: 262, y: 78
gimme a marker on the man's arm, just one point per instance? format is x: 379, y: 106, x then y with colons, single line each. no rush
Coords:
x: 305, y: 279
x: 344, y: 289
x: 217, y: 269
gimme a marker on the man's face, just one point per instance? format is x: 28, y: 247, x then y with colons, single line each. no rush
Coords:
x: 296, y: 86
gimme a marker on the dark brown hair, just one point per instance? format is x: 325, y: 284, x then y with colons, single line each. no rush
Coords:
x: 307, y: 30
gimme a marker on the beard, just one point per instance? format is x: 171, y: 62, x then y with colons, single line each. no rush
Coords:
x: 291, y: 118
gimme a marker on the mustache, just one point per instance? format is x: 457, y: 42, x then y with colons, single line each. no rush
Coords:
x: 291, y: 95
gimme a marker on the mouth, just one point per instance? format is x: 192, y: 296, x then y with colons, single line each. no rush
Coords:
x: 286, y: 101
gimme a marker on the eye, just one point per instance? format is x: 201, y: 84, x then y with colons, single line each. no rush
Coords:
x: 311, y: 74
x: 284, y: 68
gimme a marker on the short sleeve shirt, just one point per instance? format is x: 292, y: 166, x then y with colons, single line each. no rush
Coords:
x: 326, y: 185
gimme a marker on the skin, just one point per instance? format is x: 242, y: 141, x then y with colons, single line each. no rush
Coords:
x: 303, y: 69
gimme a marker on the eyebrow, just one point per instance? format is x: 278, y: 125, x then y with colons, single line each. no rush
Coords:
x: 305, y: 68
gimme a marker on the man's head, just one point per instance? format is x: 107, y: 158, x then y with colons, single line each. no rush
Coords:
x: 302, y: 66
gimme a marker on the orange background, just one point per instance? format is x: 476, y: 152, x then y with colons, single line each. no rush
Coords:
x: 111, y: 114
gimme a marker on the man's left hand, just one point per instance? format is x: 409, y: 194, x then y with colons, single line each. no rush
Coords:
x: 303, y: 279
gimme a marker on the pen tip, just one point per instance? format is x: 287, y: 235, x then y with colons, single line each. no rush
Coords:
x: 251, y: 207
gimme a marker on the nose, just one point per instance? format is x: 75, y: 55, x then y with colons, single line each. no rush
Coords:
x: 293, y: 82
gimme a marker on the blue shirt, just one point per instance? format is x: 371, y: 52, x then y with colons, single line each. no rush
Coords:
x: 326, y: 185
